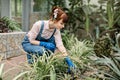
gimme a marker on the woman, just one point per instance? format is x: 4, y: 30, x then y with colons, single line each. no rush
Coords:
x: 45, y: 35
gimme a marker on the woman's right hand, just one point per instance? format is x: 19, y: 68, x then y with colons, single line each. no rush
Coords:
x: 65, y: 54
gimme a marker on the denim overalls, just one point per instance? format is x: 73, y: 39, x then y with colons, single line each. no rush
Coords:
x: 36, y: 49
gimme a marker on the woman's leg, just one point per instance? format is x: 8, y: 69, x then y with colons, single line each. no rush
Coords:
x: 33, y: 50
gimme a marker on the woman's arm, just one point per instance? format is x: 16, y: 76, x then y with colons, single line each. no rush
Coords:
x: 62, y: 49
x: 59, y: 43
x: 32, y: 34
x: 35, y: 42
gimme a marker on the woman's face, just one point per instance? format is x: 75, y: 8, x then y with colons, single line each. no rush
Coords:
x: 59, y: 24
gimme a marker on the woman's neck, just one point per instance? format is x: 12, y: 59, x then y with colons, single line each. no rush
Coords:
x: 51, y: 24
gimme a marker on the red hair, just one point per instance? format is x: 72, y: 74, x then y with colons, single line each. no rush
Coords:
x: 60, y: 14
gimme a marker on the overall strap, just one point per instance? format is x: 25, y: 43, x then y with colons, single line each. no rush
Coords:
x: 53, y: 32
x: 40, y: 32
x: 42, y: 26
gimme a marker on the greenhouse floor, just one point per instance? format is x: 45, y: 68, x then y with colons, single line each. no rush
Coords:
x: 12, y: 66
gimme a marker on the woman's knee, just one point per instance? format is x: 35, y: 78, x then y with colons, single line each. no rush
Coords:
x: 38, y: 50
x: 52, y: 47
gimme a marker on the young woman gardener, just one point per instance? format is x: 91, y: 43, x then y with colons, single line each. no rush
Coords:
x: 45, y: 35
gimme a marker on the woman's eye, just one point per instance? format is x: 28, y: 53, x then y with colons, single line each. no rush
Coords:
x: 61, y: 23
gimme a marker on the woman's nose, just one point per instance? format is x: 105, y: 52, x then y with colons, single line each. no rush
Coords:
x: 63, y: 26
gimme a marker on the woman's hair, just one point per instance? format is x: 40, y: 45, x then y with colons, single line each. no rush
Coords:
x: 58, y: 14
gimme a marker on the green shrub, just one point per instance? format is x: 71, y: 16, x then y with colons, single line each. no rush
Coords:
x: 8, y: 25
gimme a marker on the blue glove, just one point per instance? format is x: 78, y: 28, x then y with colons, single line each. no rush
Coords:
x: 48, y: 45
x: 70, y: 63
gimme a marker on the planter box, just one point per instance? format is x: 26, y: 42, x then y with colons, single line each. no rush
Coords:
x: 10, y: 44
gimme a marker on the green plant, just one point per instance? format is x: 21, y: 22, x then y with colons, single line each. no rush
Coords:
x: 77, y: 11
x: 103, y: 46
x: 76, y: 47
x: 79, y: 15
x: 45, y: 68
x: 8, y: 25
x: 68, y: 39
x: 55, y: 68
x: 1, y: 70
x: 88, y: 78
x: 79, y: 51
x: 113, y: 63
x: 111, y: 13
x: 60, y: 3
x: 87, y: 10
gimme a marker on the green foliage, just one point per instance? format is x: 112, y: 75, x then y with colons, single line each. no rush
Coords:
x: 103, y: 46
x: 78, y: 15
x: 111, y: 13
x: 1, y: 70
x: 60, y: 3
x: 81, y: 48
x: 79, y: 51
x: 82, y: 15
x: 55, y: 68
x: 16, y: 8
x: 44, y: 68
x: 112, y: 64
x: 67, y: 39
x: 9, y: 24
x: 88, y: 78
x: 77, y: 11
x: 38, y: 5
x: 76, y: 47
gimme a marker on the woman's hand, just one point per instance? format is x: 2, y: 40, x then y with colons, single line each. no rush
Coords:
x: 60, y: 54
x: 65, y: 54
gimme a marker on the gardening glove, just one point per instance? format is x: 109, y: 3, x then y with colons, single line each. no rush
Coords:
x: 48, y: 45
x: 70, y: 64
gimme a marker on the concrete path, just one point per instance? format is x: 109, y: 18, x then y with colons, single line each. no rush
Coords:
x: 12, y: 66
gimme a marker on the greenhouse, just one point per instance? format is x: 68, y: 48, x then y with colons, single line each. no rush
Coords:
x: 59, y: 39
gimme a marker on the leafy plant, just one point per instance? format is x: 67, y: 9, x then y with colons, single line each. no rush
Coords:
x: 110, y: 14
x: 76, y: 47
x: 79, y: 15
x: 45, y: 68
x: 55, y: 68
x: 79, y: 51
x: 7, y: 25
x: 103, y: 46
x: 68, y: 40
x: 60, y: 3
x: 77, y: 11
x: 113, y: 64
x: 1, y: 70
